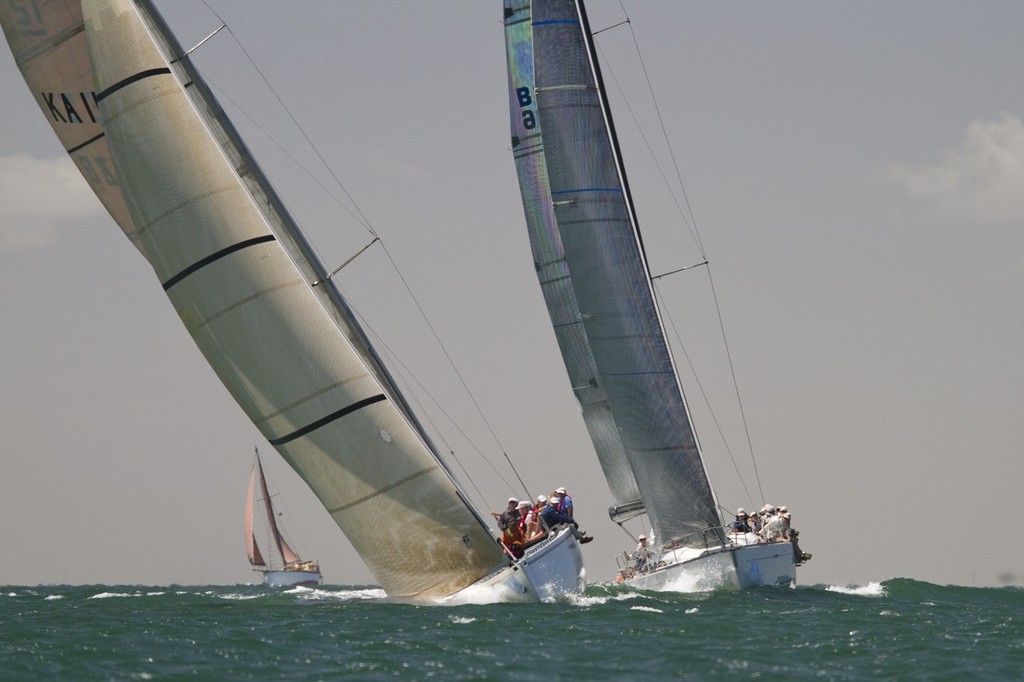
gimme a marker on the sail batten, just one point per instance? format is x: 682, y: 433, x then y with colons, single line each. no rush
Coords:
x: 213, y: 257
x: 134, y: 78
x: 287, y: 438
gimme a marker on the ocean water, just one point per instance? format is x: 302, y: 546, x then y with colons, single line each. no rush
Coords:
x: 896, y: 630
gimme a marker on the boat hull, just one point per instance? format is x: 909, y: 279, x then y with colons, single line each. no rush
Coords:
x: 687, y: 570
x: 292, y: 578
x: 550, y: 571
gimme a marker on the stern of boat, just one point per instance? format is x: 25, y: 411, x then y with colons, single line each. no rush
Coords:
x: 765, y: 564
x: 549, y: 571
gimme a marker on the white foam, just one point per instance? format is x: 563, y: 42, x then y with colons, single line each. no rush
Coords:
x: 109, y: 595
x: 869, y: 590
x: 649, y: 609
x: 322, y: 594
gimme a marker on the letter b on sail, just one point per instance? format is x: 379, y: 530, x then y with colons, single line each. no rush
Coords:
x: 525, y: 100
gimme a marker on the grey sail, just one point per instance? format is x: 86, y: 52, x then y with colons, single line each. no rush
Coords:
x: 552, y: 269
x: 247, y: 287
x: 593, y: 270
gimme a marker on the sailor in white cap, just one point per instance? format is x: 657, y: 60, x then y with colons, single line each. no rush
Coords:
x: 642, y: 554
x: 740, y: 525
x: 510, y: 512
x: 566, y: 505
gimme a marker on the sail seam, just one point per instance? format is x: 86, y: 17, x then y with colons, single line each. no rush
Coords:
x: 588, y: 189
x: 555, y: 280
x: 215, y: 257
x: 528, y: 151
x: 316, y: 394
x: 192, y: 328
x: 380, y: 491
x: 141, y: 75
x: 328, y: 419
x: 29, y: 56
x: 632, y: 374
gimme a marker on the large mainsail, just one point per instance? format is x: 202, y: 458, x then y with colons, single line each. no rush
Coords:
x: 593, y: 271
x: 248, y: 288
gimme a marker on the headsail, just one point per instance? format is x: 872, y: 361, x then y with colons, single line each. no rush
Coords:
x: 551, y: 266
x: 592, y: 267
x: 287, y: 554
x: 48, y: 43
x: 252, y: 548
x: 239, y: 274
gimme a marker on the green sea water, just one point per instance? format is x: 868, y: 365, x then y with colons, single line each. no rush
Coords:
x: 897, y: 630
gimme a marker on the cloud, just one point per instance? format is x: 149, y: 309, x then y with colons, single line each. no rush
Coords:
x: 35, y: 195
x: 384, y: 166
x: 981, y: 179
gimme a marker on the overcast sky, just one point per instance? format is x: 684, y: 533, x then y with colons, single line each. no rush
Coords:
x: 857, y: 175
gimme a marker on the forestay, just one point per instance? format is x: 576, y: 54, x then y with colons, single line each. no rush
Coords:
x: 239, y: 274
x: 593, y: 271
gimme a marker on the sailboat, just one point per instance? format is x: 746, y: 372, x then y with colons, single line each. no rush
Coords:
x: 590, y: 261
x: 293, y: 570
x: 143, y: 127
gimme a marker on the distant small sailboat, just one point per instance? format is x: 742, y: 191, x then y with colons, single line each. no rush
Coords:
x: 293, y: 570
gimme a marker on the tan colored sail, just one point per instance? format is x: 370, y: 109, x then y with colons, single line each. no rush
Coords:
x: 288, y: 555
x: 252, y: 548
x: 48, y: 43
x: 237, y: 272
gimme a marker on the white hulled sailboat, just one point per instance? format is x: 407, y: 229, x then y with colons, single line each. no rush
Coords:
x: 593, y: 271
x: 283, y: 566
x: 147, y: 134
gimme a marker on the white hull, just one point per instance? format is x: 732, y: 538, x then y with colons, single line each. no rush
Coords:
x: 693, y: 570
x: 291, y: 578
x: 549, y: 571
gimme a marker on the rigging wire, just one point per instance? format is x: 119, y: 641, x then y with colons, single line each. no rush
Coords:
x: 409, y: 373
x: 700, y: 387
x: 364, y: 221
x: 695, y: 234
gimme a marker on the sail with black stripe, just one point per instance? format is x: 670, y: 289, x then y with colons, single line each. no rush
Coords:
x: 241, y: 276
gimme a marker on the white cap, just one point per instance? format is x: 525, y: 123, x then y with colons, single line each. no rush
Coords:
x: 740, y: 511
x: 513, y: 499
x: 560, y: 491
x: 553, y: 501
x: 523, y: 503
x: 642, y: 537
x: 542, y: 498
